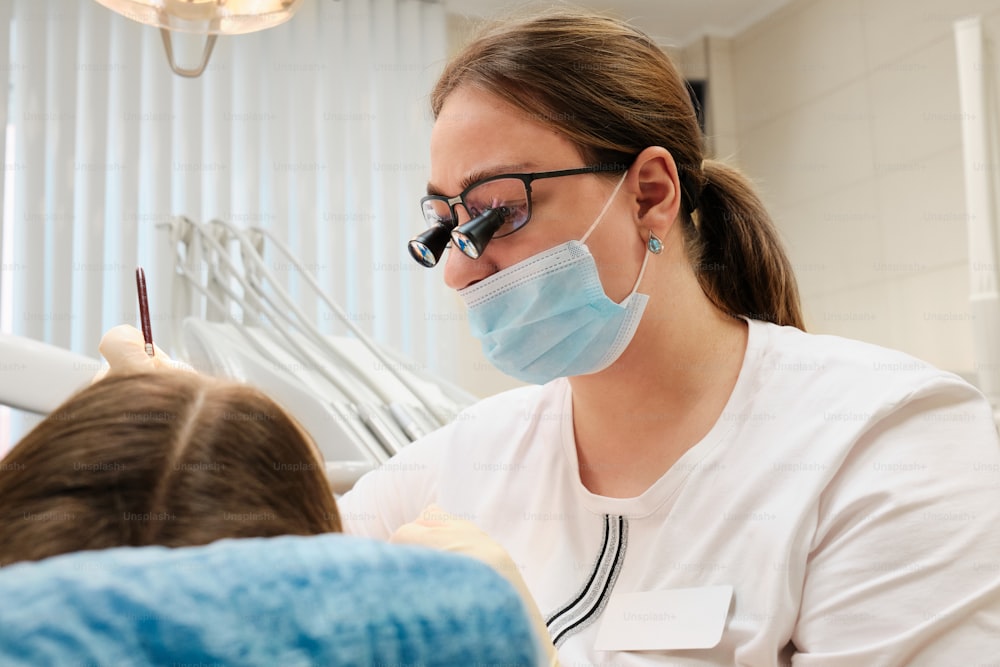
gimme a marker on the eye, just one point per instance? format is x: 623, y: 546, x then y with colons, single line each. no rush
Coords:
x: 506, y: 195
x: 514, y: 217
x: 479, y: 206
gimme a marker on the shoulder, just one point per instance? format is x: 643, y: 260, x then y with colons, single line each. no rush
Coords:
x: 843, y: 370
x: 786, y: 345
x: 832, y: 401
x: 509, y: 408
x: 489, y: 428
x: 455, y: 464
x: 528, y: 395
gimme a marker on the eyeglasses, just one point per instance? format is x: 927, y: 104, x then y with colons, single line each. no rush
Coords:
x: 497, y: 206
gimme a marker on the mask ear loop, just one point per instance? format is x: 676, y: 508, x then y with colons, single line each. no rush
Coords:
x: 642, y: 270
x: 604, y: 210
x: 607, y: 205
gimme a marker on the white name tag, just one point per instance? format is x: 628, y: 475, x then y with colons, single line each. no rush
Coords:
x: 681, y: 618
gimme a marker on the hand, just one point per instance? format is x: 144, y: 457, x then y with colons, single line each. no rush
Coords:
x: 125, y: 350
x: 437, y: 529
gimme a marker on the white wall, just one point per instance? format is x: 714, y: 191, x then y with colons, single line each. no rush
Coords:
x: 847, y: 116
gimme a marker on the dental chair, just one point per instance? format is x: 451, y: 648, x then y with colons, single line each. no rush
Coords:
x: 327, y: 600
x: 37, y: 376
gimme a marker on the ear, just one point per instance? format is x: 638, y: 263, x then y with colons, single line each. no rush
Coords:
x: 654, y: 180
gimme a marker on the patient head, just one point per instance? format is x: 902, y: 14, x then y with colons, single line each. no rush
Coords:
x: 170, y: 458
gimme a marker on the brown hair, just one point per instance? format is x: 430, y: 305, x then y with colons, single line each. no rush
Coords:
x: 169, y: 458
x: 613, y: 92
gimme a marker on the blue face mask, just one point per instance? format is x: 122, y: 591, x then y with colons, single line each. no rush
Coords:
x: 548, y: 316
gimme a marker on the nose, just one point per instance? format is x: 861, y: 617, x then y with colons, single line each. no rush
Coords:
x: 460, y: 271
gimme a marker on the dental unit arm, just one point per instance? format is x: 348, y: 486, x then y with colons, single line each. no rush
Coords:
x: 360, y: 402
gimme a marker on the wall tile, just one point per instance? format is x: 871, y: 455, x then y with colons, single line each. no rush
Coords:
x: 862, y: 313
x: 895, y: 28
x: 931, y: 318
x: 915, y: 107
x: 834, y: 241
x: 800, y: 56
x: 812, y: 149
x: 923, y: 219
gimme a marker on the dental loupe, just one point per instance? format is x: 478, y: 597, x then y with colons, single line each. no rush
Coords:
x: 428, y: 246
x: 471, y: 237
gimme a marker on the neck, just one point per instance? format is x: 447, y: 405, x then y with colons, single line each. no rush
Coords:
x: 635, y: 419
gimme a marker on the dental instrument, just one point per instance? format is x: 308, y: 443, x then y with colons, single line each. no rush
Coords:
x: 147, y: 330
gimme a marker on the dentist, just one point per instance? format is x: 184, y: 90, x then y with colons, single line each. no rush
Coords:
x: 691, y: 479
x: 694, y: 479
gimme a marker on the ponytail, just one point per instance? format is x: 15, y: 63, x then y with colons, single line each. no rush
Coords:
x: 737, y: 252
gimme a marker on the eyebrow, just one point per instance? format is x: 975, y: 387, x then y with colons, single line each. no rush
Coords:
x: 480, y: 174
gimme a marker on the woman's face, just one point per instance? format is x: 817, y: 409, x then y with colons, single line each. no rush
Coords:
x: 478, y: 134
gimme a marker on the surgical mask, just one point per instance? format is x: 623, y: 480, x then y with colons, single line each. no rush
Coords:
x: 548, y: 315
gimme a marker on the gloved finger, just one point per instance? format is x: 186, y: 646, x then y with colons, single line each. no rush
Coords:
x: 125, y: 350
x: 438, y: 529
x: 438, y: 535
x: 435, y: 515
x: 410, y: 533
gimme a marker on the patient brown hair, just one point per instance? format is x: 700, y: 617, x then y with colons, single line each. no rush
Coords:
x: 168, y: 458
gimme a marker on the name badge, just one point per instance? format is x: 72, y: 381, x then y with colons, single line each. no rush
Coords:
x: 681, y: 618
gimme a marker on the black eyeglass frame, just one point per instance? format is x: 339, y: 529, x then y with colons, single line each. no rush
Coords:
x: 527, y: 179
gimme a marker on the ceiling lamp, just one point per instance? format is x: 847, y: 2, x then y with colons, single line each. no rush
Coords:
x: 204, y: 17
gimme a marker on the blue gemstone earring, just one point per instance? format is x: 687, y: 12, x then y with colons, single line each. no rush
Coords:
x: 655, y: 245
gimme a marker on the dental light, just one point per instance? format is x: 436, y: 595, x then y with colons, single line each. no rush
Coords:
x: 204, y: 17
